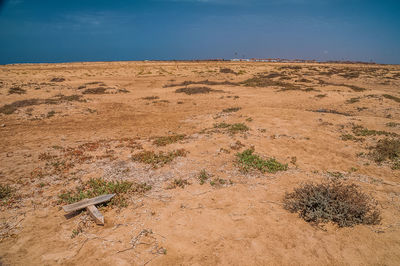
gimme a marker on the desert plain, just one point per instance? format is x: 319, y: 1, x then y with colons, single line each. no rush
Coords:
x: 166, y: 137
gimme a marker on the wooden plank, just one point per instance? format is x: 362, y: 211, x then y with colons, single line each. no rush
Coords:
x: 87, y: 202
x: 95, y: 214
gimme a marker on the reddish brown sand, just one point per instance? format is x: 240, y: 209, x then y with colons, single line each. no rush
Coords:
x: 243, y: 223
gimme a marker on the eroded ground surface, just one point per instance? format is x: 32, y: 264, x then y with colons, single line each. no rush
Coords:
x: 63, y: 125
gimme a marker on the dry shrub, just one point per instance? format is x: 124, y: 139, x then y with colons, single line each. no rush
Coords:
x: 231, y: 109
x: 12, y: 107
x: 265, y: 81
x: 386, y: 149
x: 391, y: 97
x: 5, y: 192
x: 352, y: 87
x: 350, y: 75
x: 57, y: 80
x: 202, y: 82
x: 98, y: 90
x: 227, y: 71
x: 196, y: 90
x: 16, y: 90
x: 328, y: 111
x: 149, y: 98
x: 333, y: 201
x: 275, y: 75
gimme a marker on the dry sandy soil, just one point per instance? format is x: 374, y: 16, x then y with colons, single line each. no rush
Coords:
x: 300, y: 115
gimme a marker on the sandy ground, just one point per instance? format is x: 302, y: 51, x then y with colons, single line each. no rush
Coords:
x: 241, y: 222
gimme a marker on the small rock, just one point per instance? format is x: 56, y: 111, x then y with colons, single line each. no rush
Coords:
x: 3, y: 125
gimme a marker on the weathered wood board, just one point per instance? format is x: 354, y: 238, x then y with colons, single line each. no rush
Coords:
x: 87, y: 202
x: 95, y: 214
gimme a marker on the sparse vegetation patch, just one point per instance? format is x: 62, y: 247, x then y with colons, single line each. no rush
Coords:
x: 346, y: 137
x: 163, y: 141
x: 99, y: 186
x: 203, y: 176
x: 352, y: 87
x: 217, y: 182
x: 392, y: 124
x: 362, y: 131
x: 233, y: 128
x: 160, y: 159
x: 353, y: 100
x: 6, y: 193
x: 178, y: 183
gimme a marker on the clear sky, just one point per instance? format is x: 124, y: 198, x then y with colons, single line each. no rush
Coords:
x: 108, y: 30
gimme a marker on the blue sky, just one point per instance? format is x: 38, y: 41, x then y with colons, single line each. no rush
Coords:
x: 100, y: 30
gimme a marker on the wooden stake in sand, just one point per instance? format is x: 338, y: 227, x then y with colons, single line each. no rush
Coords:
x: 89, y: 205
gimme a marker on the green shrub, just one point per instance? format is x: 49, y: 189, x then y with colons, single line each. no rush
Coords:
x: 203, y: 176
x: 246, y: 160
